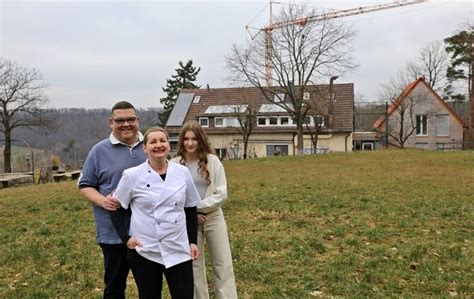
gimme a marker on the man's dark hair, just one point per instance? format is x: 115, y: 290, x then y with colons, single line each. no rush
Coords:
x: 122, y: 105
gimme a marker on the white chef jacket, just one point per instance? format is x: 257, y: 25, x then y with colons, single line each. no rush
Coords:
x: 158, y: 218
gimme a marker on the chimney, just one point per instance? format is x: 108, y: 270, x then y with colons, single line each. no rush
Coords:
x: 332, y: 99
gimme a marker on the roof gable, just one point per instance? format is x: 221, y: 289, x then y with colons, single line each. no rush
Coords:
x: 404, y: 95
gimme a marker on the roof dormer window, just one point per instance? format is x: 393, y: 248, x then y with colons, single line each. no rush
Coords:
x: 279, y: 98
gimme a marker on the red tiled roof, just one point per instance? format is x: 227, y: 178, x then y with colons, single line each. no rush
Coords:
x: 343, y: 106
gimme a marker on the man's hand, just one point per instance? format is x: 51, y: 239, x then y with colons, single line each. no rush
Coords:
x: 194, y: 251
x: 110, y: 203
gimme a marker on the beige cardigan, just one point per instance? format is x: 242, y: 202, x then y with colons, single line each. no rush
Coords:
x: 216, y: 192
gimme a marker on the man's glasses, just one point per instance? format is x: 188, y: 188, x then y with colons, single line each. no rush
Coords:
x: 121, y: 121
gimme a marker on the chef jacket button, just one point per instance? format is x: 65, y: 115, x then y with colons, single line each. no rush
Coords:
x: 159, y: 240
x: 175, y: 203
x: 176, y: 221
x: 148, y: 185
x: 149, y: 171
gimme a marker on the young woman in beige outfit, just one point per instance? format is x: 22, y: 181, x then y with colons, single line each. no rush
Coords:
x: 208, y: 175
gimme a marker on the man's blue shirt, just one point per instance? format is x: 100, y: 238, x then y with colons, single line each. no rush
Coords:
x: 102, y: 170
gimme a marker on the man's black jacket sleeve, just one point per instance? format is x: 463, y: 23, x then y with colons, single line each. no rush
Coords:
x: 121, y: 221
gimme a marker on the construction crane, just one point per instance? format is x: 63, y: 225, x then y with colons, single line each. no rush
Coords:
x: 267, y: 30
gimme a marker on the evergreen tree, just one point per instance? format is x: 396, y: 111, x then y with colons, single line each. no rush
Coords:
x: 183, y: 79
x: 460, y: 46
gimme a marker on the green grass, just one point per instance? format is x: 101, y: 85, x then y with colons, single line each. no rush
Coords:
x: 376, y: 224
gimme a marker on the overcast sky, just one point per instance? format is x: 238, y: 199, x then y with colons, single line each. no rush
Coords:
x: 93, y: 53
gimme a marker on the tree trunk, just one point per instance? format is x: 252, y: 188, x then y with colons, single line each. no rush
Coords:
x: 299, y: 138
x: 7, y: 153
x: 315, y: 144
x: 245, y: 148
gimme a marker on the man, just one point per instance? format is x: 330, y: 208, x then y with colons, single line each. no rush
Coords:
x: 101, y: 173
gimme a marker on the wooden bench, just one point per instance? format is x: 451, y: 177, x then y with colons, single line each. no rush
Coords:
x: 73, y: 175
x: 57, y: 177
x: 15, y: 179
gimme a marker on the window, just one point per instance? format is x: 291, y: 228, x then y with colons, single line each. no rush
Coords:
x: 277, y: 150
x: 221, y: 153
x: 274, y: 121
x: 306, y: 96
x: 367, y: 146
x: 422, y: 145
x: 421, y: 125
x: 204, y: 121
x: 319, y: 120
x: 196, y: 99
x: 219, y: 121
x: 232, y: 122
x: 278, y: 98
x: 442, y: 125
x: 235, y: 152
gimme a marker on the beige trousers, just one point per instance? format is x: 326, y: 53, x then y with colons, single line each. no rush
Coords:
x: 214, y: 233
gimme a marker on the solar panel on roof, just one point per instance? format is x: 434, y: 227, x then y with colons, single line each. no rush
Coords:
x: 225, y: 109
x: 267, y: 108
x: 178, y: 114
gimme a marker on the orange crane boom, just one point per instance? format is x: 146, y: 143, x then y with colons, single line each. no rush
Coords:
x: 326, y: 16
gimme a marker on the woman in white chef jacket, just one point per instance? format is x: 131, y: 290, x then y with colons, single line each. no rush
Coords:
x: 208, y: 174
x: 163, y: 229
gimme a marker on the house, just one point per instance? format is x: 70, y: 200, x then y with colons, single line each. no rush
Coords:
x: 274, y: 133
x: 420, y: 118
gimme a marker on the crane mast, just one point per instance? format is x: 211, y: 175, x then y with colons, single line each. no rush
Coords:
x: 267, y: 30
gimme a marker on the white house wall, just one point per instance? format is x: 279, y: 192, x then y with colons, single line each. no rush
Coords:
x: 258, y: 142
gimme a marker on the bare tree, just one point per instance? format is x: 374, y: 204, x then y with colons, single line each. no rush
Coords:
x: 300, y: 56
x: 431, y: 63
x: 246, y: 116
x: 22, y: 102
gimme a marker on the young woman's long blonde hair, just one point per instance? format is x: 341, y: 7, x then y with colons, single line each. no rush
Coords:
x: 203, y: 148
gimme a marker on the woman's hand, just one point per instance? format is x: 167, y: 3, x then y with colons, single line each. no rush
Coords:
x: 202, y: 218
x: 194, y: 251
x: 133, y: 242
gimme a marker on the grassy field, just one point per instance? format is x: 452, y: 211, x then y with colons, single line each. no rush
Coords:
x: 385, y: 223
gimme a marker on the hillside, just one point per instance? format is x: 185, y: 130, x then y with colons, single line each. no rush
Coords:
x: 77, y: 131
